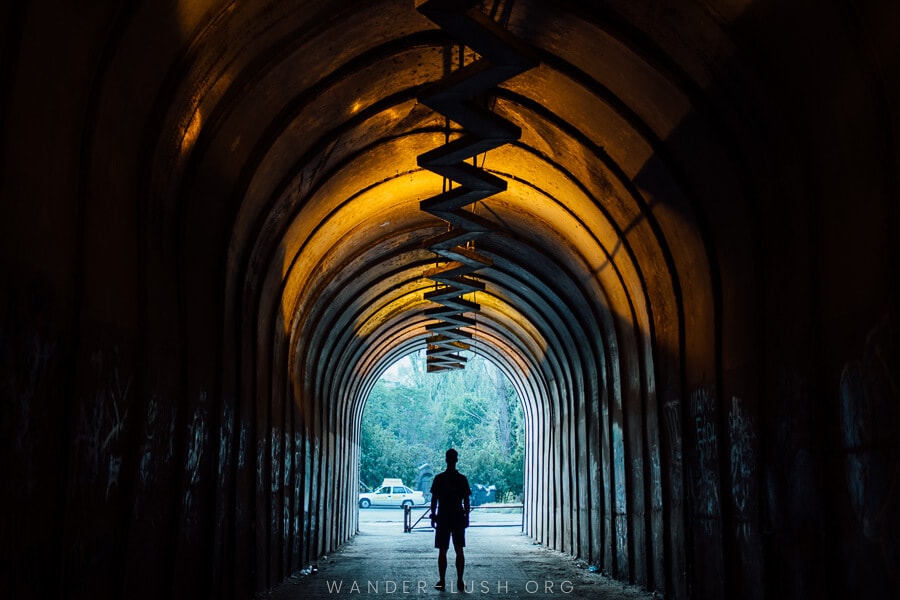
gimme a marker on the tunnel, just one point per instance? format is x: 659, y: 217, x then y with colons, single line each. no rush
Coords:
x: 213, y: 246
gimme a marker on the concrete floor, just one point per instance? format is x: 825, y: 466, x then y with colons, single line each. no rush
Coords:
x: 383, y: 562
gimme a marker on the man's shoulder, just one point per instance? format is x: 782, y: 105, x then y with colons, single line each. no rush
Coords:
x: 461, y: 479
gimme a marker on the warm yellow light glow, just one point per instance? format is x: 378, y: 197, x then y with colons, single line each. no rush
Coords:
x: 410, y: 302
x: 496, y: 309
x: 190, y: 15
x: 322, y: 229
x: 579, y: 228
x: 190, y: 132
x: 216, y: 76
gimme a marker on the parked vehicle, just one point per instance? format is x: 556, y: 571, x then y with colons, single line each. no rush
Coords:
x: 391, y: 495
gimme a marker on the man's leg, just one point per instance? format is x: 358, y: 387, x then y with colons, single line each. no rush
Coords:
x: 460, y: 565
x: 442, y: 566
x: 441, y: 542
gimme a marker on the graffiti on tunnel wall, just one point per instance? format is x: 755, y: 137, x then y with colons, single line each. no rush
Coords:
x: 100, y: 423
x: 226, y: 433
x: 742, y: 459
x: 158, y: 439
x: 198, y: 434
x: 275, y: 458
x: 705, y: 476
x: 870, y: 425
x: 673, y: 433
x: 23, y: 385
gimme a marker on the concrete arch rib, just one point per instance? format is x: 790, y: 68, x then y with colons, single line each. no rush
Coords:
x: 561, y: 394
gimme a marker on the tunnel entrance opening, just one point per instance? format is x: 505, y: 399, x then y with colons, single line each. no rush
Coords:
x: 411, y: 417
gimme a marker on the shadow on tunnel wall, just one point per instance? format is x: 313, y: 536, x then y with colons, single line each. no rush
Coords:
x: 138, y: 460
x: 778, y: 436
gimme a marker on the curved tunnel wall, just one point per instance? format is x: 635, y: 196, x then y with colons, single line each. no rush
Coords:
x: 212, y: 248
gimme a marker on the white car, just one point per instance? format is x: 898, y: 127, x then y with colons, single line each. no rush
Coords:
x: 391, y: 495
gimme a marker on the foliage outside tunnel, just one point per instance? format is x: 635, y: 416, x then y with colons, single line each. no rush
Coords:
x: 411, y: 418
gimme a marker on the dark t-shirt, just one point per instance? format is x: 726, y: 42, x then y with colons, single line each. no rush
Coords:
x: 450, y: 488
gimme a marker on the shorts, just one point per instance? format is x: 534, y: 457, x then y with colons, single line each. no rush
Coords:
x: 443, y: 533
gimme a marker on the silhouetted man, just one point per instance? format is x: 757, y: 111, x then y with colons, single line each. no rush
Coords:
x: 450, y: 516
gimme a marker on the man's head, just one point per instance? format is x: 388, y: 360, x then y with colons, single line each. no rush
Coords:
x: 452, y: 456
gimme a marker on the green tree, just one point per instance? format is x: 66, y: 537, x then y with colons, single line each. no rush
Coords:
x: 414, y: 416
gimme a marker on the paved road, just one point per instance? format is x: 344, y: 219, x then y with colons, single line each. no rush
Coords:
x: 481, y: 517
x: 383, y: 562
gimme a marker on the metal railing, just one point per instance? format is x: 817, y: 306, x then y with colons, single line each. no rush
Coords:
x: 410, y: 522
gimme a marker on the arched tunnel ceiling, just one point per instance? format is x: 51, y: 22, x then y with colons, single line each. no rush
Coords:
x: 304, y: 121
x: 213, y: 247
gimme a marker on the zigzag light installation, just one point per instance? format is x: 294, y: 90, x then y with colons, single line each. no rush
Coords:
x: 500, y: 57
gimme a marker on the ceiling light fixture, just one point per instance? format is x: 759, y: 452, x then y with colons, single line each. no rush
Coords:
x: 460, y: 97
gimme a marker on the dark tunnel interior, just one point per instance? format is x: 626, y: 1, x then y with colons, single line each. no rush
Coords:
x: 212, y: 248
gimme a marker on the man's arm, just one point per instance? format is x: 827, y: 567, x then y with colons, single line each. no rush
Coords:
x: 466, y: 501
x: 433, y: 503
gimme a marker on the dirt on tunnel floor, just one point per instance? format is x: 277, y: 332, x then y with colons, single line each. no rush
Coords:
x: 384, y: 562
